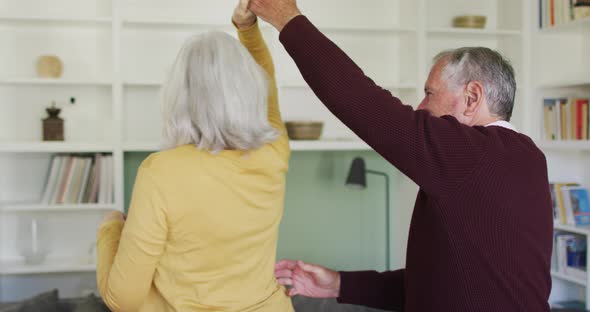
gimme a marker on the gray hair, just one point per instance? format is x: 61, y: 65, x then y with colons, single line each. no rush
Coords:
x: 216, y: 97
x: 486, y: 66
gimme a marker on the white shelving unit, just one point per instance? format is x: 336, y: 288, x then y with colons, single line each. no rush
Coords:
x: 116, y: 54
x: 567, y: 161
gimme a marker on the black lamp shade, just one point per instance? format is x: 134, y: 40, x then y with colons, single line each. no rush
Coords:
x: 357, y: 176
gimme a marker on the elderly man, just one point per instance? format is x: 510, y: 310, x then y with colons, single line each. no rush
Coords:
x: 481, y: 232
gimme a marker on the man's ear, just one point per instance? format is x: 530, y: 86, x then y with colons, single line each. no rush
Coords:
x: 474, y: 94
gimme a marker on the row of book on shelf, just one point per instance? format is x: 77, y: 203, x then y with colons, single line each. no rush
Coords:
x: 566, y: 119
x: 77, y: 179
x: 571, y: 204
x: 569, y: 255
x: 556, y: 12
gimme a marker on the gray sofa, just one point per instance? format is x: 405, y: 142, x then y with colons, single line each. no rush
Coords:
x: 50, y: 302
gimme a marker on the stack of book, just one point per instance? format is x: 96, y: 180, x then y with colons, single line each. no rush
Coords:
x: 571, y: 204
x: 569, y: 255
x: 566, y: 119
x: 556, y: 12
x: 79, y: 179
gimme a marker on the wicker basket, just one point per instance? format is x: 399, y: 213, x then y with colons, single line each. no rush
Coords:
x: 49, y: 66
x: 470, y: 21
x: 304, y: 130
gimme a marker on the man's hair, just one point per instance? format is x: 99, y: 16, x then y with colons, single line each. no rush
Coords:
x: 486, y: 66
x: 216, y: 97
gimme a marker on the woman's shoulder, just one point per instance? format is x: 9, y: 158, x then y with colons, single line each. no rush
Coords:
x: 166, y: 158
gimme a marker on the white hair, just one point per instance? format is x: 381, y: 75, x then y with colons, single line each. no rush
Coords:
x: 216, y: 97
x: 486, y: 66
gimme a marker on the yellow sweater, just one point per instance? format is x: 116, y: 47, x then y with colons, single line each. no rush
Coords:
x: 202, y: 229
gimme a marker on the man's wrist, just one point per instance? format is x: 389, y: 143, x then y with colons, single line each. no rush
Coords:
x: 336, y: 286
x: 286, y: 19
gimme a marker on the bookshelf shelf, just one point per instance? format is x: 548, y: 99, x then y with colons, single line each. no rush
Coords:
x: 581, y: 83
x: 52, y: 21
x: 54, y: 147
x: 572, y: 229
x: 564, y: 145
x: 57, y: 208
x: 144, y: 83
x: 472, y: 32
x: 568, y: 278
x: 55, y: 82
x: 581, y: 25
x: 56, y: 265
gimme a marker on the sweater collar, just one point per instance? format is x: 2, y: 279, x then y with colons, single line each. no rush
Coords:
x: 503, y: 124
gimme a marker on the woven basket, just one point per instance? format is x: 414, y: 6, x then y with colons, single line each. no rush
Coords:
x: 470, y: 21
x: 49, y: 66
x: 304, y: 130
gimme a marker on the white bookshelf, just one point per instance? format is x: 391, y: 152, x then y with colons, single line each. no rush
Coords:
x: 556, y: 76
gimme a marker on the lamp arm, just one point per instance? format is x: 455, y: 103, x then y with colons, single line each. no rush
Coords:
x: 387, y: 217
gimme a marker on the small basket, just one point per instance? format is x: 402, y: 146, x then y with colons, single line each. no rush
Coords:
x: 304, y: 130
x: 470, y: 21
x: 49, y: 66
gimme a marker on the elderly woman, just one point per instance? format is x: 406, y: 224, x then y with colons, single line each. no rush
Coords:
x: 202, y: 228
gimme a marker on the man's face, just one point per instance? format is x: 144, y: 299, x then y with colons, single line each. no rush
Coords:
x: 439, y: 100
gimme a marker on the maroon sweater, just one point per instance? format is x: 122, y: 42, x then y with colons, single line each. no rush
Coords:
x: 481, y: 231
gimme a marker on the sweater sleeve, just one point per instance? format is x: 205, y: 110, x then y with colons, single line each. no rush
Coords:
x: 436, y: 153
x: 251, y: 38
x: 129, y: 253
x: 383, y: 291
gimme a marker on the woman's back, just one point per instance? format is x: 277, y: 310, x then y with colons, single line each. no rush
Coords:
x: 223, y: 212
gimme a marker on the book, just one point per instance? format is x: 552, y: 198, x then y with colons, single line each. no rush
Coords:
x: 64, y: 180
x: 76, y: 183
x: 549, y: 109
x: 556, y: 215
x: 85, y: 178
x: 561, y: 248
x: 577, y: 198
x: 52, y: 179
x: 93, y: 198
x: 563, y: 215
x: 64, y: 197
